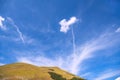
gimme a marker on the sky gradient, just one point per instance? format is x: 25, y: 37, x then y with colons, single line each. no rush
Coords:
x: 80, y: 36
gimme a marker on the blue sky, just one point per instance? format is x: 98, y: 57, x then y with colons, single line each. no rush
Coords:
x: 80, y: 36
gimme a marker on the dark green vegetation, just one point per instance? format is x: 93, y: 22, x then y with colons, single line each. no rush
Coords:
x: 76, y: 78
x: 56, y: 76
x: 23, y: 71
x: 59, y: 77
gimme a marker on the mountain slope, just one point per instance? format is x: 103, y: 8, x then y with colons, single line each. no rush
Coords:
x: 23, y: 71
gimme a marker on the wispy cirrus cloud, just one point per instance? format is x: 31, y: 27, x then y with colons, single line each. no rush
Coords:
x: 117, y: 78
x: 88, y: 49
x: 118, y: 30
x: 1, y: 23
x: 65, y: 25
x: 108, y: 74
x: 9, y: 20
x: 84, y: 52
x: 41, y: 61
x: 2, y: 64
x: 17, y: 29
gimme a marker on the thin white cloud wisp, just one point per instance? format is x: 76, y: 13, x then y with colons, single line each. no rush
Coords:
x: 84, y: 52
x: 41, y: 61
x: 117, y: 30
x: 17, y: 29
x: 1, y: 64
x: 117, y: 78
x: 1, y: 23
x: 107, y: 74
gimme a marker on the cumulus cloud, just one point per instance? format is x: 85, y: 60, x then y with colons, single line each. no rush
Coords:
x: 117, y: 78
x: 17, y: 29
x: 65, y: 25
x: 108, y: 74
x: 1, y: 23
x: 118, y: 30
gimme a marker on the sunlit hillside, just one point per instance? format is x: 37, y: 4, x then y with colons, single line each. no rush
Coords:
x: 23, y: 71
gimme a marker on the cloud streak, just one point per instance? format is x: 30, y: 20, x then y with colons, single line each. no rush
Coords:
x: 84, y: 52
x: 65, y: 25
x: 1, y: 64
x: 1, y: 23
x: 74, y: 45
x: 117, y: 78
x: 41, y: 61
x: 118, y: 30
x: 17, y: 29
x: 107, y: 74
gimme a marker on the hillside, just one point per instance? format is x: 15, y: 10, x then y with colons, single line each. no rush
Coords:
x: 23, y: 71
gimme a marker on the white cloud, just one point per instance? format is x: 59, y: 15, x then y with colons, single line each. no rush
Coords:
x: 66, y: 24
x: 17, y: 29
x: 41, y: 61
x: 72, y: 62
x: 117, y: 78
x: 1, y: 23
x: 86, y: 74
x: 118, y: 30
x: 1, y: 64
x: 107, y: 74
x: 88, y: 49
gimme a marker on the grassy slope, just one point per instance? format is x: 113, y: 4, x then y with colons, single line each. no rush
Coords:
x: 28, y: 71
